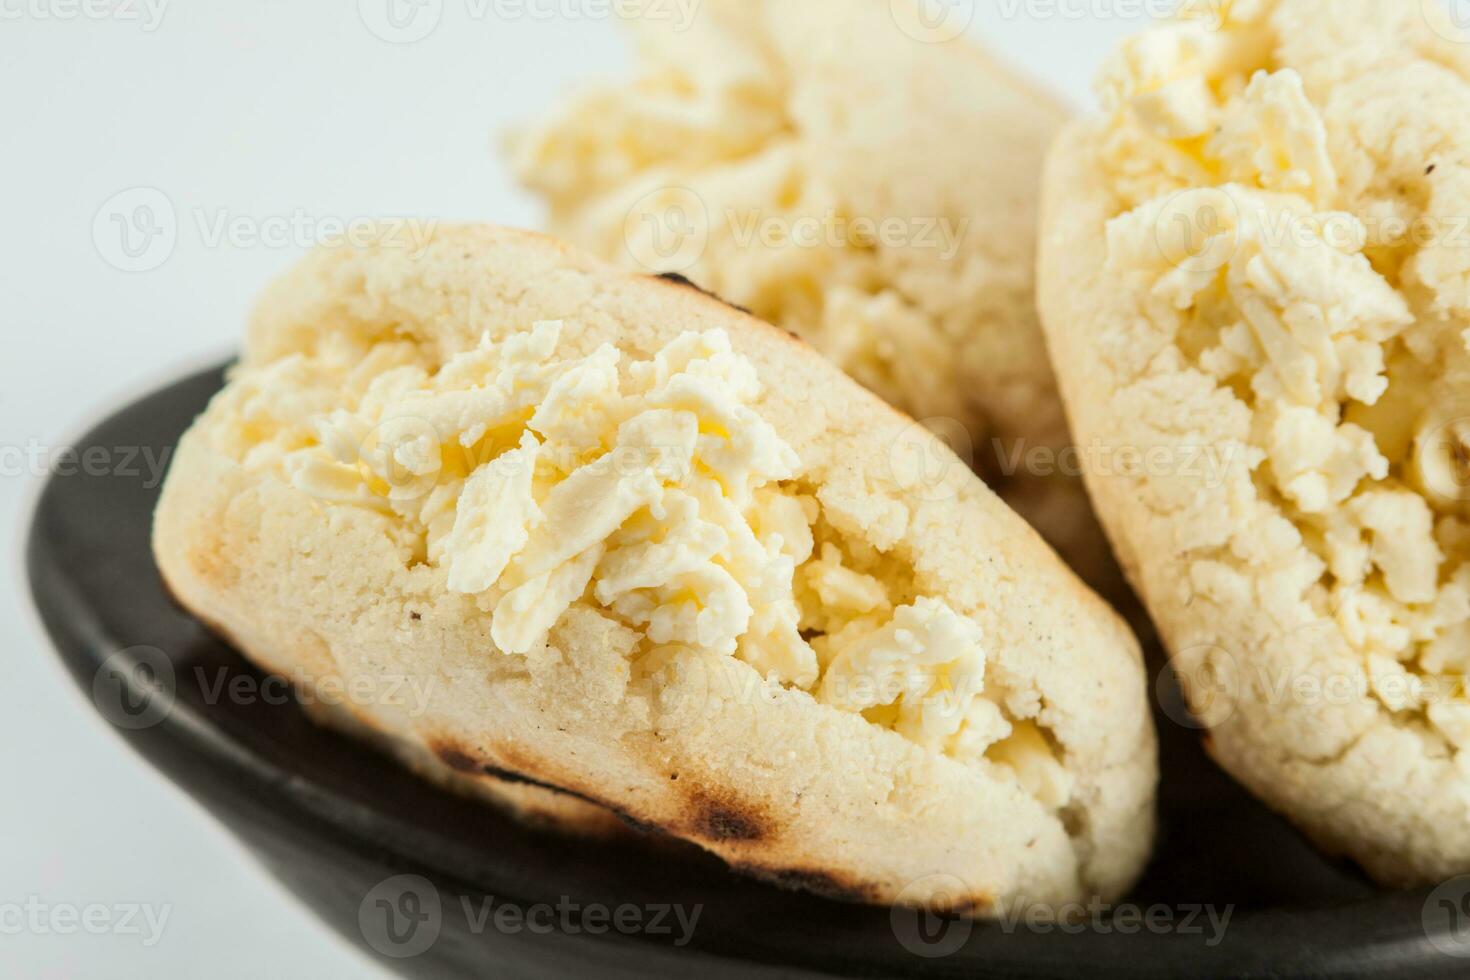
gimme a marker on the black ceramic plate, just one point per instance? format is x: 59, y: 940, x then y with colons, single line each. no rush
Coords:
x: 405, y: 870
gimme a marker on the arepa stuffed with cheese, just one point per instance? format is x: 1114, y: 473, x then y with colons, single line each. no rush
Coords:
x: 1256, y: 285
x: 661, y: 559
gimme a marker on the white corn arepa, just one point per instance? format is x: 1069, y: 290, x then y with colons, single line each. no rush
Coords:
x: 853, y: 173
x: 1014, y: 762
x: 1254, y: 284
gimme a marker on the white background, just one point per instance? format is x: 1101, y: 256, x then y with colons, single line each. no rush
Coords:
x: 259, y: 110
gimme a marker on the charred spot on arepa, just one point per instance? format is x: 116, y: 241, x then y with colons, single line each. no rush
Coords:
x: 818, y: 881
x: 637, y: 825
x: 724, y: 818
x: 683, y: 280
x: 461, y: 760
x: 455, y: 758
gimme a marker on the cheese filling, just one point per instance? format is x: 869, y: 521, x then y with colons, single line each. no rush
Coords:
x: 649, y: 490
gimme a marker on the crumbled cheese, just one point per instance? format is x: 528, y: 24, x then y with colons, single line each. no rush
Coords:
x: 985, y: 726
x: 1394, y: 686
x: 1161, y: 77
x: 493, y: 519
x: 653, y: 490
x: 528, y: 612
x: 1453, y: 722
x: 1272, y: 136
x: 1403, y: 542
x: 632, y: 481
x: 1317, y: 312
x: 844, y: 591
x: 1319, y: 464
x: 1028, y: 754
x: 926, y: 660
